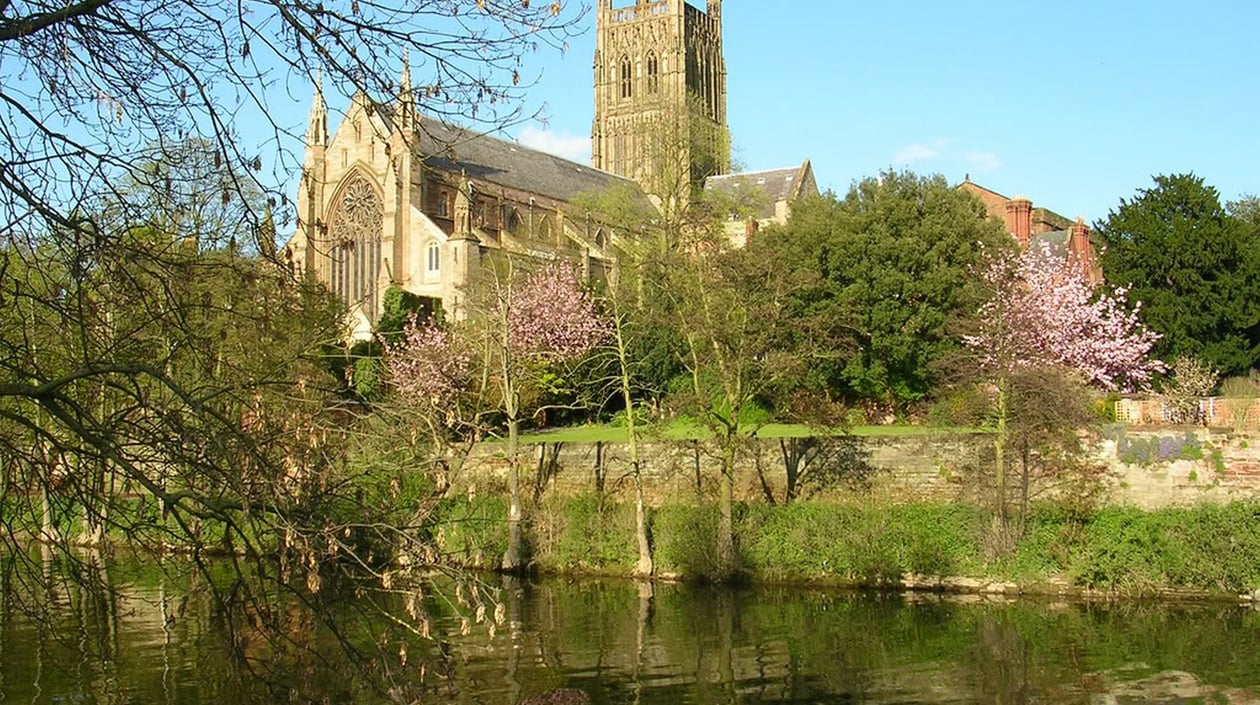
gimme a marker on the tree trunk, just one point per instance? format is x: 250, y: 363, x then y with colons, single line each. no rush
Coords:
x: 761, y: 477
x: 999, y: 451
x: 513, y: 561
x: 643, y: 567
x: 726, y: 521
x: 599, y: 467
x: 1025, y: 481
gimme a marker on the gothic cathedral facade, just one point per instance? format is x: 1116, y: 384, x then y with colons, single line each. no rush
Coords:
x: 394, y: 199
x: 660, y: 93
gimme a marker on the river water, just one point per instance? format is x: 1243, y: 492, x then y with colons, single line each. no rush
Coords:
x: 152, y: 638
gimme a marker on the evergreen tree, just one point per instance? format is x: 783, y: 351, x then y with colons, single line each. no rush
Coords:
x: 1194, y: 268
x: 893, y: 263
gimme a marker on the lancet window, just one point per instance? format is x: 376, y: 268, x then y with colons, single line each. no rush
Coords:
x: 627, y: 77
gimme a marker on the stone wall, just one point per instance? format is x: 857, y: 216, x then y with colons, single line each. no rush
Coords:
x: 1149, y: 469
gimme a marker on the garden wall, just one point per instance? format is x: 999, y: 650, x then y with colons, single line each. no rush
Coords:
x: 1147, y: 468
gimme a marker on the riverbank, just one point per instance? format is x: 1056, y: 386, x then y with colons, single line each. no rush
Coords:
x: 1205, y: 552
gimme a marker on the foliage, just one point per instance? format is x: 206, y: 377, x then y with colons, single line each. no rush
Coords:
x: 685, y: 535
x: 891, y: 264
x: 1041, y: 336
x: 1194, y: 267
x: 1146, y: 451
x: 1191, y: 379
x: 880, y: 542
x: 468, y: 531
x: 1043, y: 312
x: 430, y: 367
x: 584, y: 533
x: 153, y: 342
x: 551, y: 317
x: 1209, y: 547
x: 1241, y: 387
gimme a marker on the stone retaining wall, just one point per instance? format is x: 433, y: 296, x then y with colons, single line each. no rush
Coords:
x: 1148, y: 468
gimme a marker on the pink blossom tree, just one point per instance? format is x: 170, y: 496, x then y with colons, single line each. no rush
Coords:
x: 533, y: 320
x: 1043, y: 313
x: 522, y: 323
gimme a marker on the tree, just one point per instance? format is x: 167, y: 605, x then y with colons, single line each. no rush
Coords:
x: 1192, y: 264
x: 1043, y: 314
x: 893, y: 263
x: 525, y: 323
x: 744, y: 341
x: 183, y: 373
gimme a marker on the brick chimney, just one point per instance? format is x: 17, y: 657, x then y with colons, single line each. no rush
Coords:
x: 1078, y: 245
x: 1019, y: 219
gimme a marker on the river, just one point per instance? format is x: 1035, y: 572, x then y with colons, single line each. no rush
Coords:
x: 160, y: 637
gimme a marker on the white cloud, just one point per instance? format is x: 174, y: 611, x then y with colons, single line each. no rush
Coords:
x: 915, y: 153
x: 561, y: 144
x: 984, y: 161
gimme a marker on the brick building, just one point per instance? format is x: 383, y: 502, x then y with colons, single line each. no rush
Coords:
x: 1040, y: 227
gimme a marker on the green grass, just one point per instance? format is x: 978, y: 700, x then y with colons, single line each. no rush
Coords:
x: 690, y: 430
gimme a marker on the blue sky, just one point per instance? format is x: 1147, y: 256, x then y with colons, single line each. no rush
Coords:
x: 1074, y: 104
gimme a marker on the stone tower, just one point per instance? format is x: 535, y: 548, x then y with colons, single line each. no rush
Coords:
x: 660, y: 94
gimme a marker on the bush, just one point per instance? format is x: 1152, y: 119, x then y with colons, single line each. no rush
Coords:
x: 473, y: 531
x: 1207, y: 548
x: 1121, y: 548
x: 864, y: 544
x: 685, y: 537
x: 586, y: 532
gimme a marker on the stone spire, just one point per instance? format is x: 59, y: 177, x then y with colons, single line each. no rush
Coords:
x: 317, y: 126
x: 405, y: 111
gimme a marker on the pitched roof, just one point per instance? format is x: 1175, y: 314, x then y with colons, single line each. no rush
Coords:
x: 497, y: 161
x: 775, y: 185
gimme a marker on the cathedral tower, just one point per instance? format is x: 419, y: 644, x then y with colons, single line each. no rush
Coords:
x: 660, y: 93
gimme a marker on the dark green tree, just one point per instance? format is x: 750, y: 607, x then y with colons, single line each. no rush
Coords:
x: 893, y: 263
x: 1193, y: 267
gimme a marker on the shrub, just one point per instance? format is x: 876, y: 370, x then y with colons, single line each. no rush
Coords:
x: 686, y: 535
x: 587, y: 531
x: 473, y: 531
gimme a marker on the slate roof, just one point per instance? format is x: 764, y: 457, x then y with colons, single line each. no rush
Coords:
x: 776, y: 184
x: 498, y: 161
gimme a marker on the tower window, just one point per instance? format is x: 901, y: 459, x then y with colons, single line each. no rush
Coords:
x: 653, y: 79
x: 627, y: 77
x: 443, y: 205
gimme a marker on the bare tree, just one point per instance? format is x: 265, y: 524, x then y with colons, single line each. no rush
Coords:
x: 160, y: 380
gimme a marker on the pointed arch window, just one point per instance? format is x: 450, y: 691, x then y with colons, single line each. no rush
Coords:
x: 355, y: 229
x: 653, y: 74
x: 433, y: 258
x: 627, y: 77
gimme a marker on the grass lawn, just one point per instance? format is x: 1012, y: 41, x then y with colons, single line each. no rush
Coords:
x: 688, y: 430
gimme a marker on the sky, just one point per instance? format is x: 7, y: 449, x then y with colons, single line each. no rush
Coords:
x: 1072, y: 104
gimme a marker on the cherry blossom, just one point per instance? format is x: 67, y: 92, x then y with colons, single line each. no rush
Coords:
x: 1044, y: 312
x: 550, y: 317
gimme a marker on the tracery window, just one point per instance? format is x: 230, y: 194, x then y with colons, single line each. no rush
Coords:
x: 355, y: 253
x: 627, y: 77
x: 653, y: 74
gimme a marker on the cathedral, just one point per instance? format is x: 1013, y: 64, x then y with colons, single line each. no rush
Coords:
x: 396, y: 199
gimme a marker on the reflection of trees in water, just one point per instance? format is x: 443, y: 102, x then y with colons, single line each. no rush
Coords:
x: 153, y: 634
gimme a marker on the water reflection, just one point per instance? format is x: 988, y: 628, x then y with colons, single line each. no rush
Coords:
x: 142, y: 634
